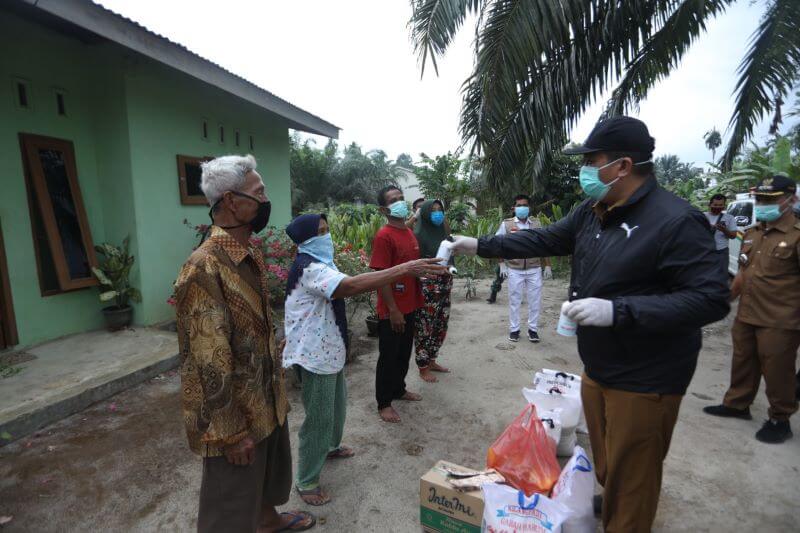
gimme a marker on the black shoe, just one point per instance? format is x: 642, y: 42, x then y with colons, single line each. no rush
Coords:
x: 597, y: 504
x: 491, y: 299
x: 774, y: 432
x: 513, y: 336
x: 728, y: 412
x: 533, y: 336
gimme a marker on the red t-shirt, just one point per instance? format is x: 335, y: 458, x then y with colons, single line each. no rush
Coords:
x: 393, y: 246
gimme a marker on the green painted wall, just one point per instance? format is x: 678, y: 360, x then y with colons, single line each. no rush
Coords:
x: 128, y: 118
x: 165, y: 115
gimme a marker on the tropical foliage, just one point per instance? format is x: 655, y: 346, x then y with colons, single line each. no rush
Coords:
x: 670, y: 169
x: 539, y: 64
x: 114, y: 274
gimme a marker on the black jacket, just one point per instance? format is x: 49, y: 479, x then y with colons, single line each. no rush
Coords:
x: 655, y: 259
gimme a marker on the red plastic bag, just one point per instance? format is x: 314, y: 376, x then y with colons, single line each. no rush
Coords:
x: 525, y: 456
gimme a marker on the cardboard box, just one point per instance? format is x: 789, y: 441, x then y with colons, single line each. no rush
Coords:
x: 442, y: 509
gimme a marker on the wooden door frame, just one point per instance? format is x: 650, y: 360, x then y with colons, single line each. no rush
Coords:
x: 9, y: 322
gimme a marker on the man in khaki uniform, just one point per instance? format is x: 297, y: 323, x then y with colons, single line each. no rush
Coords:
x: 766, y: 333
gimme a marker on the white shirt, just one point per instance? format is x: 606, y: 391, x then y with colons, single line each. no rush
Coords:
x: 728, y: 221
x: 313, y: 340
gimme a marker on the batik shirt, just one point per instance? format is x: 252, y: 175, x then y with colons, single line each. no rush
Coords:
x: 231, y: 376
x: 313, y: 339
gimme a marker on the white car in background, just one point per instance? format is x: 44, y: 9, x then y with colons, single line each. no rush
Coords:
x: 742, y: 209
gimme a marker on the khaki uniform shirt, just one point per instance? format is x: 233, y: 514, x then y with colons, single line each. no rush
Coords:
x: 769, y: 264
x: 231, y: 376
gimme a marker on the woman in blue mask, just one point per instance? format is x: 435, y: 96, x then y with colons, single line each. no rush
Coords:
x: 316, y: 341
x: 430, y: 328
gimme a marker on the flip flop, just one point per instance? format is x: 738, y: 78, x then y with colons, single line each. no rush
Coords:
x: 299, y: 516
x: 342, y: 452
x: 313, y: 492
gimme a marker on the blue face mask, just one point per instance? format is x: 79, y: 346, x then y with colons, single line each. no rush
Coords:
x: 320, y: 248
x: 522, y: 211
x: 591, y: 183
x: 399, y: 209
x: 437, y: 218
x: 768, y: 213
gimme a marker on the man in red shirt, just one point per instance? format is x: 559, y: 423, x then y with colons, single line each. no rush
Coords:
x: 397, y: 304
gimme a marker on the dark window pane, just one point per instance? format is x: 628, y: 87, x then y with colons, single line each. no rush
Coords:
x: 193, y: 174
x: 22, y: 94
x: 65, y: 212
x: 49, y: 277
x: 62, y: 110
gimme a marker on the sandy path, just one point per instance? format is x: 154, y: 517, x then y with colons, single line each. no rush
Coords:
x: 128, y: 468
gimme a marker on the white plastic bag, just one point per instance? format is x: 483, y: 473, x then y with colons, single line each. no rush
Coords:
x: 575, y: 491
x: 546, y: 401
x: 507, y: 510
x: 567, y: 442
x: 551, y: 420
x: 568, y: 384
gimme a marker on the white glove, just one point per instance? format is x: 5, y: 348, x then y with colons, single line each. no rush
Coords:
x: 547, y: 273
x: 591, y: 312
x: 503, y: 271
x: 464, y: 245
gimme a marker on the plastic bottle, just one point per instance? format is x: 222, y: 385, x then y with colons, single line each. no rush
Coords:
x: 566, y: 326
x: 444, y: 252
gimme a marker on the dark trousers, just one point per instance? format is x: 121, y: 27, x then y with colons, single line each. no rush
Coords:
x: 232, y: 498
x: 630, y: 434
x: 395, y: 353
x: 768, y: 352
x: 724, y: 258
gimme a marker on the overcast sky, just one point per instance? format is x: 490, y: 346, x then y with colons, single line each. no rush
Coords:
x: 352, y: 63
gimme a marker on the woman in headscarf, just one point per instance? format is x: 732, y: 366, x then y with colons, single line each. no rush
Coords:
x: 432, y: 318
x: 316, y: 342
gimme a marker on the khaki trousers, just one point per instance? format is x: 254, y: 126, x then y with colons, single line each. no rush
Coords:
x: 630, y: 434
x: 768, y: 352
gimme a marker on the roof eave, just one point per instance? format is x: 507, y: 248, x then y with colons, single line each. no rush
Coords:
x: 97, y: 19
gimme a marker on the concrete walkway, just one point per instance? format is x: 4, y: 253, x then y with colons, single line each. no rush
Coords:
x: 67, y: 375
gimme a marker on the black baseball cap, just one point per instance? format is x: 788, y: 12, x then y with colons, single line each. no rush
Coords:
x: 617, y: 134
x: 776, y: 185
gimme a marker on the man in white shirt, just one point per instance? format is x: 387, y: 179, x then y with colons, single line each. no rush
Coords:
x: 723, y: 226
x: 524, y: 275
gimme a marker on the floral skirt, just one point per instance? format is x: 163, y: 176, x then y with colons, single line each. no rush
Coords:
x: 431, y: 323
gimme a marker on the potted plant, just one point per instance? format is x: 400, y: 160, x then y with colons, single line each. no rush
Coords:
x: 372, y: 318
x: 115, y: 286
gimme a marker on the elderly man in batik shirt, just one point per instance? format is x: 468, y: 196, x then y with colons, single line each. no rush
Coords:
x: 234, y: 401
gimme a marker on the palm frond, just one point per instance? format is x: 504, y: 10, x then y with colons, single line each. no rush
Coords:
x: 662, y: 52
x: 768, y: 71
x: 434, y: 23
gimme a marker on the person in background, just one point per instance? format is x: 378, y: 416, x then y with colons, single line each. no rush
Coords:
x: 412, y: 220
x: 644, y: 281
x: 397, y: 304
x: 432, y: 318
x: 524, y: 275
x: 723, y: 226
x: 316, y: 342
x: 234, y: 397
x: 766, y: 333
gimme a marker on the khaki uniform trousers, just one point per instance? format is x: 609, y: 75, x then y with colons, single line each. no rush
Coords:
x: 630, y: 433
x: 768, y: 352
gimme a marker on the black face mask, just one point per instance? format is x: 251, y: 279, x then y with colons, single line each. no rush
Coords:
x: 258, y: 222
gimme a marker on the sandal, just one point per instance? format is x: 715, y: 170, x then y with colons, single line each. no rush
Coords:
x: 298, y: 516
x: 313, y: 492
x: 342, y: 452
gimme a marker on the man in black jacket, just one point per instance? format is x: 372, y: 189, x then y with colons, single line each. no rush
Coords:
x: 645, y: 279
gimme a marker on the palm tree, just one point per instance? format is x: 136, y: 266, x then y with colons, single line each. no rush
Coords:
x: 540, y: 63
x: 713, y: 141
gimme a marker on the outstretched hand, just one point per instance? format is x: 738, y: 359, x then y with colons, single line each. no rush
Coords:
x: 429, y: 266
x: 462, y: 245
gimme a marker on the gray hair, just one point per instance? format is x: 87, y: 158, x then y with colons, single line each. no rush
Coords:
x: 226, y: 173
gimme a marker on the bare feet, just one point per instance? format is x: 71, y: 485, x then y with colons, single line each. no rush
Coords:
x: 291, y: 521
x: 427, y: 375
x: 315, y: 497
x: 436, y: 367
x: 342, y: 452
x: 388, y: 414
x: 411, y: 397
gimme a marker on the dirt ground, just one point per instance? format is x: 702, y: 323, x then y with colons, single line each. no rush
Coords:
x: 123, y: 465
